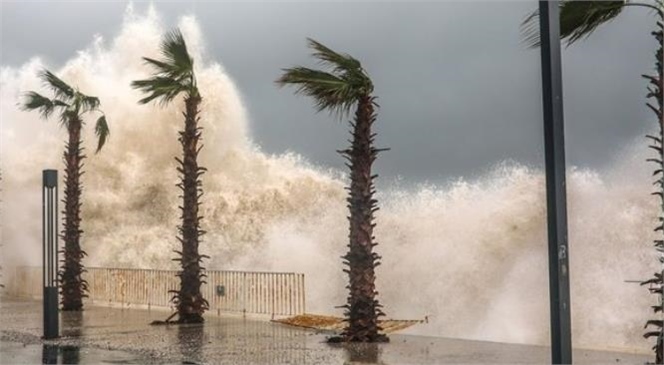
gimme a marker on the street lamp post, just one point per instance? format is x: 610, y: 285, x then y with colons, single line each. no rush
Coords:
x: 50, y: 252
x: 554, y: 151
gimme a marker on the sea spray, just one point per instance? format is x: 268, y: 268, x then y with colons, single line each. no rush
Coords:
x: 470, y: 255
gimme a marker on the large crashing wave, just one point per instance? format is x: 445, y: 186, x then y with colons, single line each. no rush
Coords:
x: 469, y: 255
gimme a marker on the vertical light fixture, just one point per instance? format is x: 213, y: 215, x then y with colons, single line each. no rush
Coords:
x: 50, y: 252
x: 556, y: 197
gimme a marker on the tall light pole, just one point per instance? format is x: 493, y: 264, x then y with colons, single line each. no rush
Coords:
x: 556, y: 197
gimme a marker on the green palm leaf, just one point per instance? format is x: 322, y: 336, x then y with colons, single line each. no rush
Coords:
x: 67, y: 115
x: 174, y: 73
x: 60, y: 103
x: 578, y: 19
x: 159, y: 87
x: 44, y: 105
x: 174, y: 49
x: 336, y: 91
x: 340, y: 62
x: 327, y: 90
x: 75, y: 105
x: 60, y: 88
x: 165, y: 69
x: 88, y: 103
x: 35, y: 101
x: 102, y: 131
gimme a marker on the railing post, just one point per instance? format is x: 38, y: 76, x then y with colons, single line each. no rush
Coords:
x: 15, y: 281
x: 304, y: 297
x: 244, y: 294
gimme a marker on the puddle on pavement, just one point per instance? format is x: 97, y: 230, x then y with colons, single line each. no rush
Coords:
x: 18, y: 353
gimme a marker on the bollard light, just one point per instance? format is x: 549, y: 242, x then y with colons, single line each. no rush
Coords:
x: 50, y: 252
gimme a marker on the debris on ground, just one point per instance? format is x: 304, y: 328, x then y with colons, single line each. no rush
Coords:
x: 336, y: 324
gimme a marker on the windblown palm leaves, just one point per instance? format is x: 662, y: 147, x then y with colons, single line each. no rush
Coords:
x: 70, y: 104
x: 337, y: 91
x: 347, y: 85
x: 174, y: 75
x: 578, y: 19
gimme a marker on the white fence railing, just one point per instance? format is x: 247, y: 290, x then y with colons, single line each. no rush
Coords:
x: 247, y: 292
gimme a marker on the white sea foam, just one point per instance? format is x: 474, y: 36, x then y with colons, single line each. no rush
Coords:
x: 471, y: 255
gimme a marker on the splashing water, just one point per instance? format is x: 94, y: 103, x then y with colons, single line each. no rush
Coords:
x: 470, y: 255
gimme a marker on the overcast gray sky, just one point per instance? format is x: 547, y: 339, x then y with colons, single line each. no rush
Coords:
x: 458, y: 90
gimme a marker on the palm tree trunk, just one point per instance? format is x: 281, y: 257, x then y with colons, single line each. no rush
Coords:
x: 1, y: 282
x: 190, y: 302
x: 656, y: 284
x: 73, y: 285
x: 659, y: 244
x: 362, y: 307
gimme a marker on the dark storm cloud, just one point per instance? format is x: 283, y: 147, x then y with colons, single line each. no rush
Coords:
x: 458, y: 90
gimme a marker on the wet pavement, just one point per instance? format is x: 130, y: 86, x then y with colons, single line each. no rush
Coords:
x: 124, y: 336
x: 19, y: 353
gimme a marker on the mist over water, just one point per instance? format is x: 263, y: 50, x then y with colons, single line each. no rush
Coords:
x: 470, y: 255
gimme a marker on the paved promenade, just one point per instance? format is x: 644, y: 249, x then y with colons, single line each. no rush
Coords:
x: 113, y: 335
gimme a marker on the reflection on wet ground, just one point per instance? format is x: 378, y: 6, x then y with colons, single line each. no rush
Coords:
x: 191, y: 339
x: 357, y: 353
x: 113, y: 335
x: 50, y: 354
x: 68, y: 354
x: 71, y: 324
x: 19, y: 353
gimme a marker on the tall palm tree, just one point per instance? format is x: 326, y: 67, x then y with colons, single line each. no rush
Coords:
x: 578, y: 19
x: 174, y: 75
x: 348, y: 85
x: 1, y: 283
x: 71, y: 105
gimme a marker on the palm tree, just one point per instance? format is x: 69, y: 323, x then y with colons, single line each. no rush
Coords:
x: 1, y: 284
x: 348, y: 85
x: 71, y: 105
x: 174, y: 75
x: 578, y: 19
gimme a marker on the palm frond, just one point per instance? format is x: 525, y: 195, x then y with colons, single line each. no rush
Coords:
x: 158, y: 87
x: 88, y: 103
x: 336, y: 91
x: 165, y: 69
x: 35, y: 101
x: 328, y: 91
x: 60, y: 103
x: 174, y: 50
x: 102, y: 131
x: 174, y: 74
x: 66, y: 115
x: 578, y: 19
x: 340, y: 62
x: 60, y: 88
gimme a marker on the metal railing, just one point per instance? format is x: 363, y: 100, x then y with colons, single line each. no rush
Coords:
x: 246, y: 292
